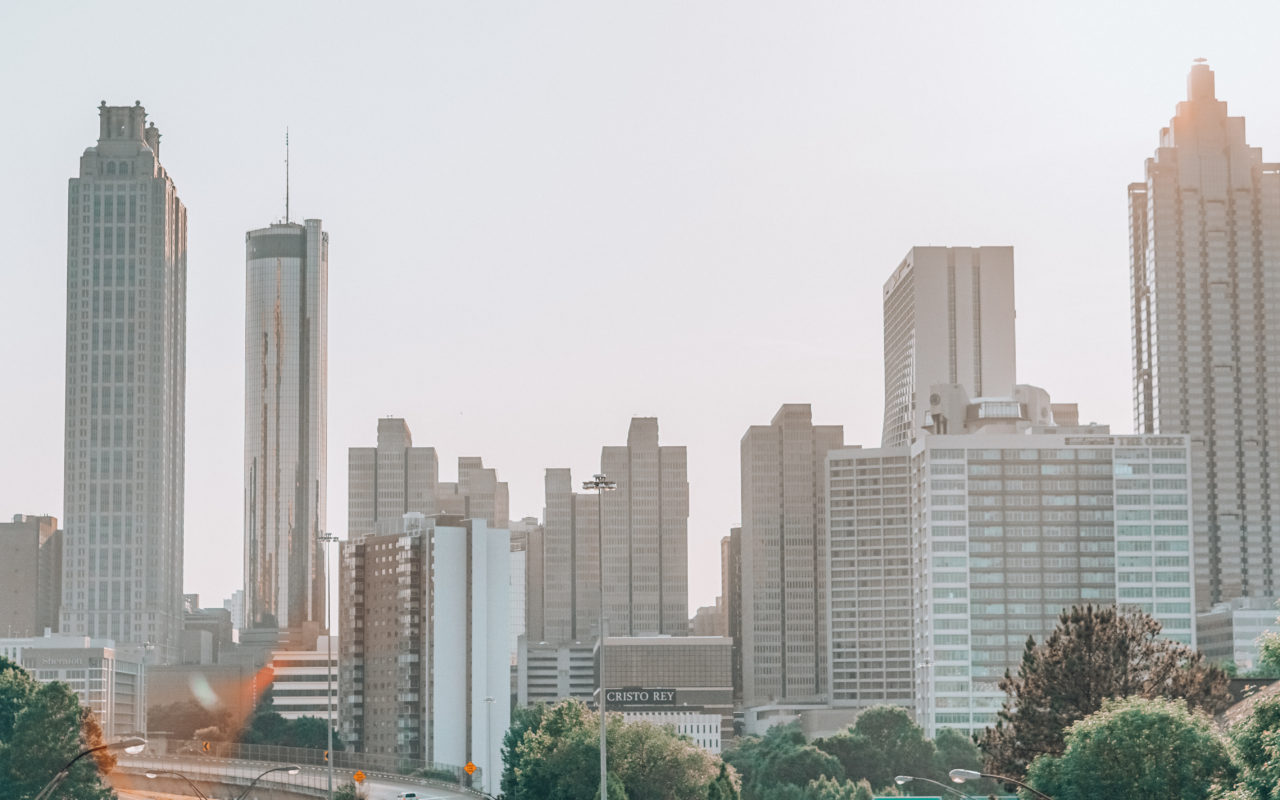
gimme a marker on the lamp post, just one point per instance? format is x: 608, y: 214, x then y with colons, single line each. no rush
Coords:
x: 962, y: 775
x: 325, y: 540
x: 488, y: 746
x: 601, y: 484
x: 133, y: 745
x: 292, y: 769
x: 194, y: 788
x: 901, y: 779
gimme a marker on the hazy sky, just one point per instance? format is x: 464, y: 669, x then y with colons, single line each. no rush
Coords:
x: 546, y: 218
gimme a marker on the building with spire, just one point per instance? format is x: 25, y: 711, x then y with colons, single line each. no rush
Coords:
x: 126, y: 344
x: 1204, y: 243
x: 285, y: 441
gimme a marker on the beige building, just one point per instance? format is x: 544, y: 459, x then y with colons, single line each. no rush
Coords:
x: 395, y: 478
x: 300, y: 680
x: 125, y: 391
x: 646, y: 527
x: 1204, y: 243
x: 30, y: 575
x: 948, y: 318
x: 783, y: 615
x: 686, y: 681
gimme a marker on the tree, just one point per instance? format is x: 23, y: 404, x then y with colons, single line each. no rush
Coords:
x: 349, y: 791
x: 42, y: 728
x: 882, y: 743
x: 780, y: 765
x: 1255, y: 743
x: 1136, y: 747
x: 554, y: 752
x: 721, y: 787
x: 1094, y: 654
x: 954, y: 750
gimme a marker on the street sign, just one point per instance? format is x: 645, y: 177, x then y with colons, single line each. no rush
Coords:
x: 359, y: 776
x: 204, y: 746
x: 470, y: 768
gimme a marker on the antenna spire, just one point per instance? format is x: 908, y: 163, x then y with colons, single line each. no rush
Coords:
x: 286, y: 175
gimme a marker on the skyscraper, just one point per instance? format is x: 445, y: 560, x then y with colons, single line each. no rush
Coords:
x: 31, y: 575
x: 948, y: 318
x: 1204, y: 244
x: 646, y: 530
x: 125, y: 391
x: 783, y: 613
x: 285, y: 406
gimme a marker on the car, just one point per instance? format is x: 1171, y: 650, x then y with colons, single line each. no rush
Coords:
x: 407, y: 796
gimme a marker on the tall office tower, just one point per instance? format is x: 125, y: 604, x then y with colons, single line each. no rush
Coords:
x: 731, y: 591
x: 126, y: 391
x: 477, y: 494
x: 286, y: 325
x: 646, y: 528
x: 31, y: 576
x: 948, y: 318
x: 390, y: 480
x: 783, y: 552
x: 869, y: 576
x: 646, y: 534
x: 426, y: 662
x: 1204, y: 241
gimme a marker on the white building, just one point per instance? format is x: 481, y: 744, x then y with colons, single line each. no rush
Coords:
x: 125, y: 391
x: 948, y: 318
x: 300, y: 679
x: 1230, y: 631
x: 108, y: 680
x: 285, y: 407
x: 1204, y: 242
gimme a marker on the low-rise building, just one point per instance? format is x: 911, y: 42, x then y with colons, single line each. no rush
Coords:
x: 1229, y: 632
x: 300, y: 679
x: 109, y: 681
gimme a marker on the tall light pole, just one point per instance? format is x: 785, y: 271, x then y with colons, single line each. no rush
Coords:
x: 962, y: 775
x: 325, y: 540
x: 292, y: 769
x: 901, y: 779
x: 601, y: 484
x: 133, y: 745
x: 488, y: 747
x: 153, y: 774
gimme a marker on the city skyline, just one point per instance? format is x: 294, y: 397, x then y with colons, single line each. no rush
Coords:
x: 692, y: 231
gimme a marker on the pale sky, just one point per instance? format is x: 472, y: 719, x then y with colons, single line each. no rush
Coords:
x: 548, y: 217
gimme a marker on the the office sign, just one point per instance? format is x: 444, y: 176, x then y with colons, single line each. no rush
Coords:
x: 636, y: 696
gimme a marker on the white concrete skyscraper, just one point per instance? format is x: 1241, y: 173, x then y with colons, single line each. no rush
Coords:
x: 125, y: 391
x: 1205, y: 250
x: 285, y: 407
x: 948, y: 318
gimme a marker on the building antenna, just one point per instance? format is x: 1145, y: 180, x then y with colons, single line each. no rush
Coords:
x: 286, y: 175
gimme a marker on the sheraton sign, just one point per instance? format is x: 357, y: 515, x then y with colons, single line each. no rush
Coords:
x: 637, y: 696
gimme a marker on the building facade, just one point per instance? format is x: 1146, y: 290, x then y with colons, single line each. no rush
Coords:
x: 109, y: 681
x: 1204, y: 239
x: 869, y: 577
x: 301, y: 679
x: 731, y: 591
x: 948, y: 318
x: 1229, y: 632
x: 783, y: 592
x: 285, y: 431
x: 426, y: 665
x: 31, y: 575
x: 125, y: 391
x: 680, y: 680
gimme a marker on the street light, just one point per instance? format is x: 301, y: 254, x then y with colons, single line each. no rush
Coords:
x: 194, y: 788
x: 962, y: 775
x: 488, y: 745
x: 901, y: 779
x: 292, y: 769
x: 132, y: 745
x: 601, y: 484
x: 326, y: 539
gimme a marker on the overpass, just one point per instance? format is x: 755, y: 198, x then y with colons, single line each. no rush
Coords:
x: 221, y: 778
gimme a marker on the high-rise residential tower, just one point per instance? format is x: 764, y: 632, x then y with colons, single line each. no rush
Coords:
x: 1204, y: 245
x: 285, y: 406
x: 948, y: 318
x: 125, y: 391
x: 783, y: 548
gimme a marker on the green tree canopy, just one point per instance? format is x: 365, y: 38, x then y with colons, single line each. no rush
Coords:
x: 553, y: 753
x: 1094, y: 654
x: 780, y: 764
x: 42, y: 728
x: 1255, y: 744
x: 1137, y: 748
x: 883, y: 742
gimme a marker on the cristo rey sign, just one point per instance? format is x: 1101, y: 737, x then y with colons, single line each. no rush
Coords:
x: 637, y: 696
